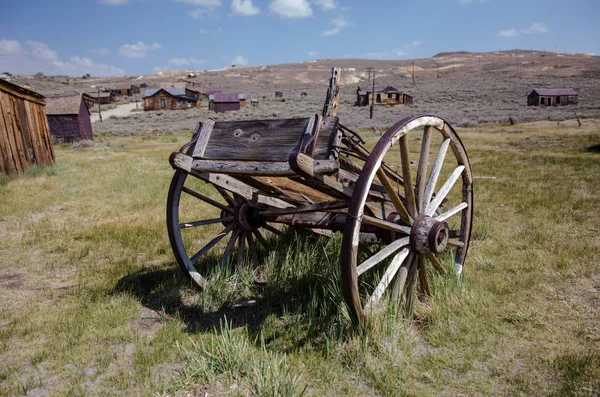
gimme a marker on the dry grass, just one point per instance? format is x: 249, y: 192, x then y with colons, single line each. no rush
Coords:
x: 92, y: 301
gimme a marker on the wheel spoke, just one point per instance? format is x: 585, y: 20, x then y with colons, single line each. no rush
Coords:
x: 422, y: 168
x: 206, y: 199
x: 186, y: 225
x: 381, y: 255
x: 423, y: 278
x: 240, y: 253
x: 401, y: 279
x: 451, y: 212
x: 260, y: 237
x: 456, y: 243
x: 225, y: 195
x: 229, y: 247
x: 391, y: 191
x: 435, y: 172
x: 370, y: 220
x: 436, y: 263
x: 252, y: 248
x: 386, y: 279
x: 407, y: 176
x: 272, y: 229
x: 211, y: 243
x: 444, y: 190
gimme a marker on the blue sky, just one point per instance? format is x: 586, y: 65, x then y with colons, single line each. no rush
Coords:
x: 132, y: 37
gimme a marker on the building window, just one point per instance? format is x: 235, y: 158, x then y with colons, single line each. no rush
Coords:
x: 389, y: 96
x: 557, y: 100
x: 189, y: 104
x: 379, y: 98
x: 163, y: 104
x: 179, y: 104
x: 542, y: 101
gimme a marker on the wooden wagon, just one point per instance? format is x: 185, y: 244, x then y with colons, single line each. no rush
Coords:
x: 404, y: 207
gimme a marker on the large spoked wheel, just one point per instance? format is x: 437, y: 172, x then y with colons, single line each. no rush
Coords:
x: 210, y: 225
x: 416, y: 190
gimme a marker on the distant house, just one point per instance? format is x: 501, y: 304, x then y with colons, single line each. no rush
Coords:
x: 552, y: 97
x: 69, y: 117
x: 94, y: 97
x: 383, y: 96
x: 170, y: 99
x: 226, y: 101
x: 173, y: 84
x: 123, y: 89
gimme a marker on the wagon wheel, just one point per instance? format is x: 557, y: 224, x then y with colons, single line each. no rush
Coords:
x: 421, y: 222
x: 205, y: 220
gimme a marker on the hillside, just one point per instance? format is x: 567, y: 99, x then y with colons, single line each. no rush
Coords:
x: 465, y: 88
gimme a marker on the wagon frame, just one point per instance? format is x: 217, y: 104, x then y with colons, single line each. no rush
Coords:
x: 316, y: 173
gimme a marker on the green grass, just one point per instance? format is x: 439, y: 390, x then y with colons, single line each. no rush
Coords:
x: 92, y: 302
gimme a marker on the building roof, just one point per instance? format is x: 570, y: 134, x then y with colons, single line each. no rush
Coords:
x: 388, y: 90
x: 555, y: 91
x: 21, y: 92
x: 102, y: 94
x: 63, y: 104
x: 220, y: 97
x: 176, y: 92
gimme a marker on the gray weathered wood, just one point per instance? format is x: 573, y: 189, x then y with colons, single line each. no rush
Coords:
x: 388, y: 276
x: 204, y: 137
x: 381, y: 255
x: 279, y: 168
x: 444, y: 190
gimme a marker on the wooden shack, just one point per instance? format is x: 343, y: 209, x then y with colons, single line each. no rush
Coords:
x: 24, y: 133
x: 123, y: 89
x: 552, y: 97
x: 383, y: 96
x: 226, y: 101
x: 171, y: 99
x: 69, y: 117
x: 94, y: 97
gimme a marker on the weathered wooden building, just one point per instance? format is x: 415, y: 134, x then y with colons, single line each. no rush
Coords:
x: 94, y: 97
x: 171, y: 99
x: 24, y: 133
x: 383, y: 96
x: 552, y: 97
x: 69, y: 117
x: 123, y: 89
x: 226, y: 101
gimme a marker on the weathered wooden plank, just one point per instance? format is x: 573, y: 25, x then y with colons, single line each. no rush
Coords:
x: 18, y: 134
x: 381, y: 255
x: 388, y: 276
x: 333, y: 94
x: 10, y: 134
x: 279, y: 168
x: 329, y: 205
x: 261, y: 140
x: 203, y: 138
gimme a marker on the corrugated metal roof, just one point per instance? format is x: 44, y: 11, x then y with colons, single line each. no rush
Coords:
x: 63, y: 104
x: 555, y: 91
x: 388, y: 90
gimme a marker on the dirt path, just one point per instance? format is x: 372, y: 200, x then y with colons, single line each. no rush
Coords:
x: 119, y: 111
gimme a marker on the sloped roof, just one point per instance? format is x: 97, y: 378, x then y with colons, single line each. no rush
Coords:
x: 63, y: 104
x: 176, y: 92
x: 555, y: 91
x: 388, y: 90
x: 120, y: 86
x: 21, y: 92
x: 102, y: 94
x: 226, y: 97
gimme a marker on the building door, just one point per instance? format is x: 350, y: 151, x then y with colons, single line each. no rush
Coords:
x: 163, y: 104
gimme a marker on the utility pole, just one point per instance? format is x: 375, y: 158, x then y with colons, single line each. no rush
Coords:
x: 373, y: 97
x: 413, y: 74
x: 99, y: 110
x: 438, y: 69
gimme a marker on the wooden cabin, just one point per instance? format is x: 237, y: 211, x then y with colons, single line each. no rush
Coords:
x: 226, y: 101
x: 171, y: 99
x: 383, y: 96
x: 69, y: 117
x: 552, y: 97
x: 24, y: 133
x: 94, y: 97
x: 123, y: 89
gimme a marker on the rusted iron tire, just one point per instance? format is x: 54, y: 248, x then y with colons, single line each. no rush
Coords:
x: 193, y: 207
x: 430, y: 216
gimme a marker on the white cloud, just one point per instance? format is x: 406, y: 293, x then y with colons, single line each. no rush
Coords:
x: 179, y: 62
x: 197, y: 61
x: 138, y: 50
x: 244, y: 7
x: 538, y: 27
x: 239, y: 60
x: 112, y: 2
x: 36, y: 57
x: 338, y: 23
x: 414, y: 43
x: 400, y: 52
x: 100, y: 51
x: 291, y: 8
x: 10, y: 47
x: 508, y: 33
x: 204, y: 7
x: 206, y: 31
x: 312, y: 54
x: 326, y: 5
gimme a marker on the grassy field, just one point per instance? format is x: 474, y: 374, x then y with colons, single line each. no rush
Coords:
x: 92, y: 302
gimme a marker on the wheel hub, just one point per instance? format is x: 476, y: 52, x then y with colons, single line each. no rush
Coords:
x: 429, y: 235
x: 247, y: 217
